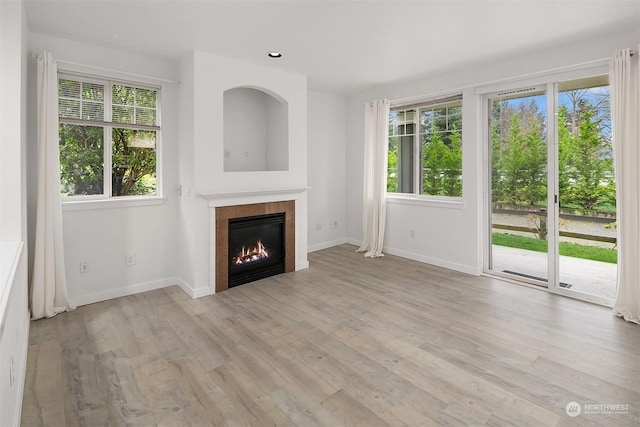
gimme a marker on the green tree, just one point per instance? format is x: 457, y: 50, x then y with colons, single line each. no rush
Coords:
x: 452, y: 166
x: 585, y: 165
x: 588, y: 163
x: 512, y: 162
x: 433, y: 152
x: 392, y: 165
x: 81, y: 160
x: 442, y: 151
x: 565, y: 143
x: 535, y: 158
x: 442, y: 163
x: 518, y: 153
x: 497, y: 191
x: 134, y: 162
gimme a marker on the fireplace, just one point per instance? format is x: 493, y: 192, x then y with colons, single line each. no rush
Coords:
x: 256, y: 248
x: 253, y: 241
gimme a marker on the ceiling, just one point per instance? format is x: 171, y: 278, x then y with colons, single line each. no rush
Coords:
x: 341, y: 46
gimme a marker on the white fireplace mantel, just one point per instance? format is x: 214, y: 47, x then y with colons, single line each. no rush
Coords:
x: 230, y: 198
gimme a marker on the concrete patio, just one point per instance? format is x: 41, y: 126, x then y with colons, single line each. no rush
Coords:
x: 585, y: 276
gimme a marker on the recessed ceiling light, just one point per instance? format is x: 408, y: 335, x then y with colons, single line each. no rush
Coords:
x: 274, y: 54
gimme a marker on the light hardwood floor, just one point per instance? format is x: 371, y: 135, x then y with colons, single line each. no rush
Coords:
x: 350, y: 341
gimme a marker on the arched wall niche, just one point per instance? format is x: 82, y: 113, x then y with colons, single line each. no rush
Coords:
x: 256, y: 130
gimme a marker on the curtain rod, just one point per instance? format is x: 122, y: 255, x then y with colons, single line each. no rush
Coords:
x: 112, y: 70
x: 594, y: 62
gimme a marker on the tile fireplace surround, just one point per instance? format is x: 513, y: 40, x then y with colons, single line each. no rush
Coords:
x: 225, y: 213
x: 224, y: 206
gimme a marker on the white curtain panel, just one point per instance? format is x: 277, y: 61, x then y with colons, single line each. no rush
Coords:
x: 48, y: 293
x: 376, y: 135
x: 625, y: 119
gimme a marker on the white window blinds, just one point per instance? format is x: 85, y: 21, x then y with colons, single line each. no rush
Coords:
x: 100, y: 103
x: 80, y: 100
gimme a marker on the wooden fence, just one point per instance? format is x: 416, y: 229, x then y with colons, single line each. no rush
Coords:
x: 562, y: 233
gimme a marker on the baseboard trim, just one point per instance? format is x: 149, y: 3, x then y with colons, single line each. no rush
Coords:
x: 353, y: 242
x: 325, y: 245
x: 433, y: 261
x: 124, y: 291
x: 476, y: 271
x: 302, y: 265
x: 192, y: 292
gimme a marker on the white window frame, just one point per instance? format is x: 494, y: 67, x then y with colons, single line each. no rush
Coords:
x: 417, y: 197
x: 106, y: 199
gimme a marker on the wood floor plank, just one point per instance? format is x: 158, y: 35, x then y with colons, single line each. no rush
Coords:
x: 244, y: 409
x: 201, y: 346
x: 350, y: 341
x: 80, y: 366
x: 48, y: 381
x: 302, y: 409
x: 201, y: 409
x: 350, y: 412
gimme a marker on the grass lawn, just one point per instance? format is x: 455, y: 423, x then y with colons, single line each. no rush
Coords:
x: 567, y: 249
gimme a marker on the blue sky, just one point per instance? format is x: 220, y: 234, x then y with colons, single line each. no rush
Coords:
x: 563, y: 99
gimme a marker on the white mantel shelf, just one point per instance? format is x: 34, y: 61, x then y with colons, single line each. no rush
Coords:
x: 231, y: 197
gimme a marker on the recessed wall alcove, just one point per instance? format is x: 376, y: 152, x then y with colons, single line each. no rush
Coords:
x: 256, y: 136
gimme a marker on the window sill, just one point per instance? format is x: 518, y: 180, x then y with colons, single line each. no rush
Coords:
x: 432, y: 201
x: 121, y: 202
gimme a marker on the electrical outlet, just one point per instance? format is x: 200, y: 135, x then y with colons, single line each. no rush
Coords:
x: 130, y: 259
x: 84, y: 267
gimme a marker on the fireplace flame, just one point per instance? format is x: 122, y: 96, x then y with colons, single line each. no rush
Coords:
x: 251, y: 254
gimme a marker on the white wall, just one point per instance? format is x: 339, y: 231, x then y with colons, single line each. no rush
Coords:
x: 11, y: 131
x: 255, y: 131
x: 205, y: 78
x: 213, y: 75
x: 193, y: 215
x: 245, y: 124
x: 446, y: 236
x: 326, y: 121
x: 105, y: 236
x: 277, y: 135
x: 14, y: 312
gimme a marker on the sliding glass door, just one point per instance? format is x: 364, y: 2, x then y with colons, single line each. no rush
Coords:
x: 518, y: 183
x: 551, y: 190
x: 587, y: 265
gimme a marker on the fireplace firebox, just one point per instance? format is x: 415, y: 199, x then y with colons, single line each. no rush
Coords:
x: 256, y: 248
x: 223, y: 257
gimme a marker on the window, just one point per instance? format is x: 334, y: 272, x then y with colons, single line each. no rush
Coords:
x: 109, y: 134
x: 425, y: 148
